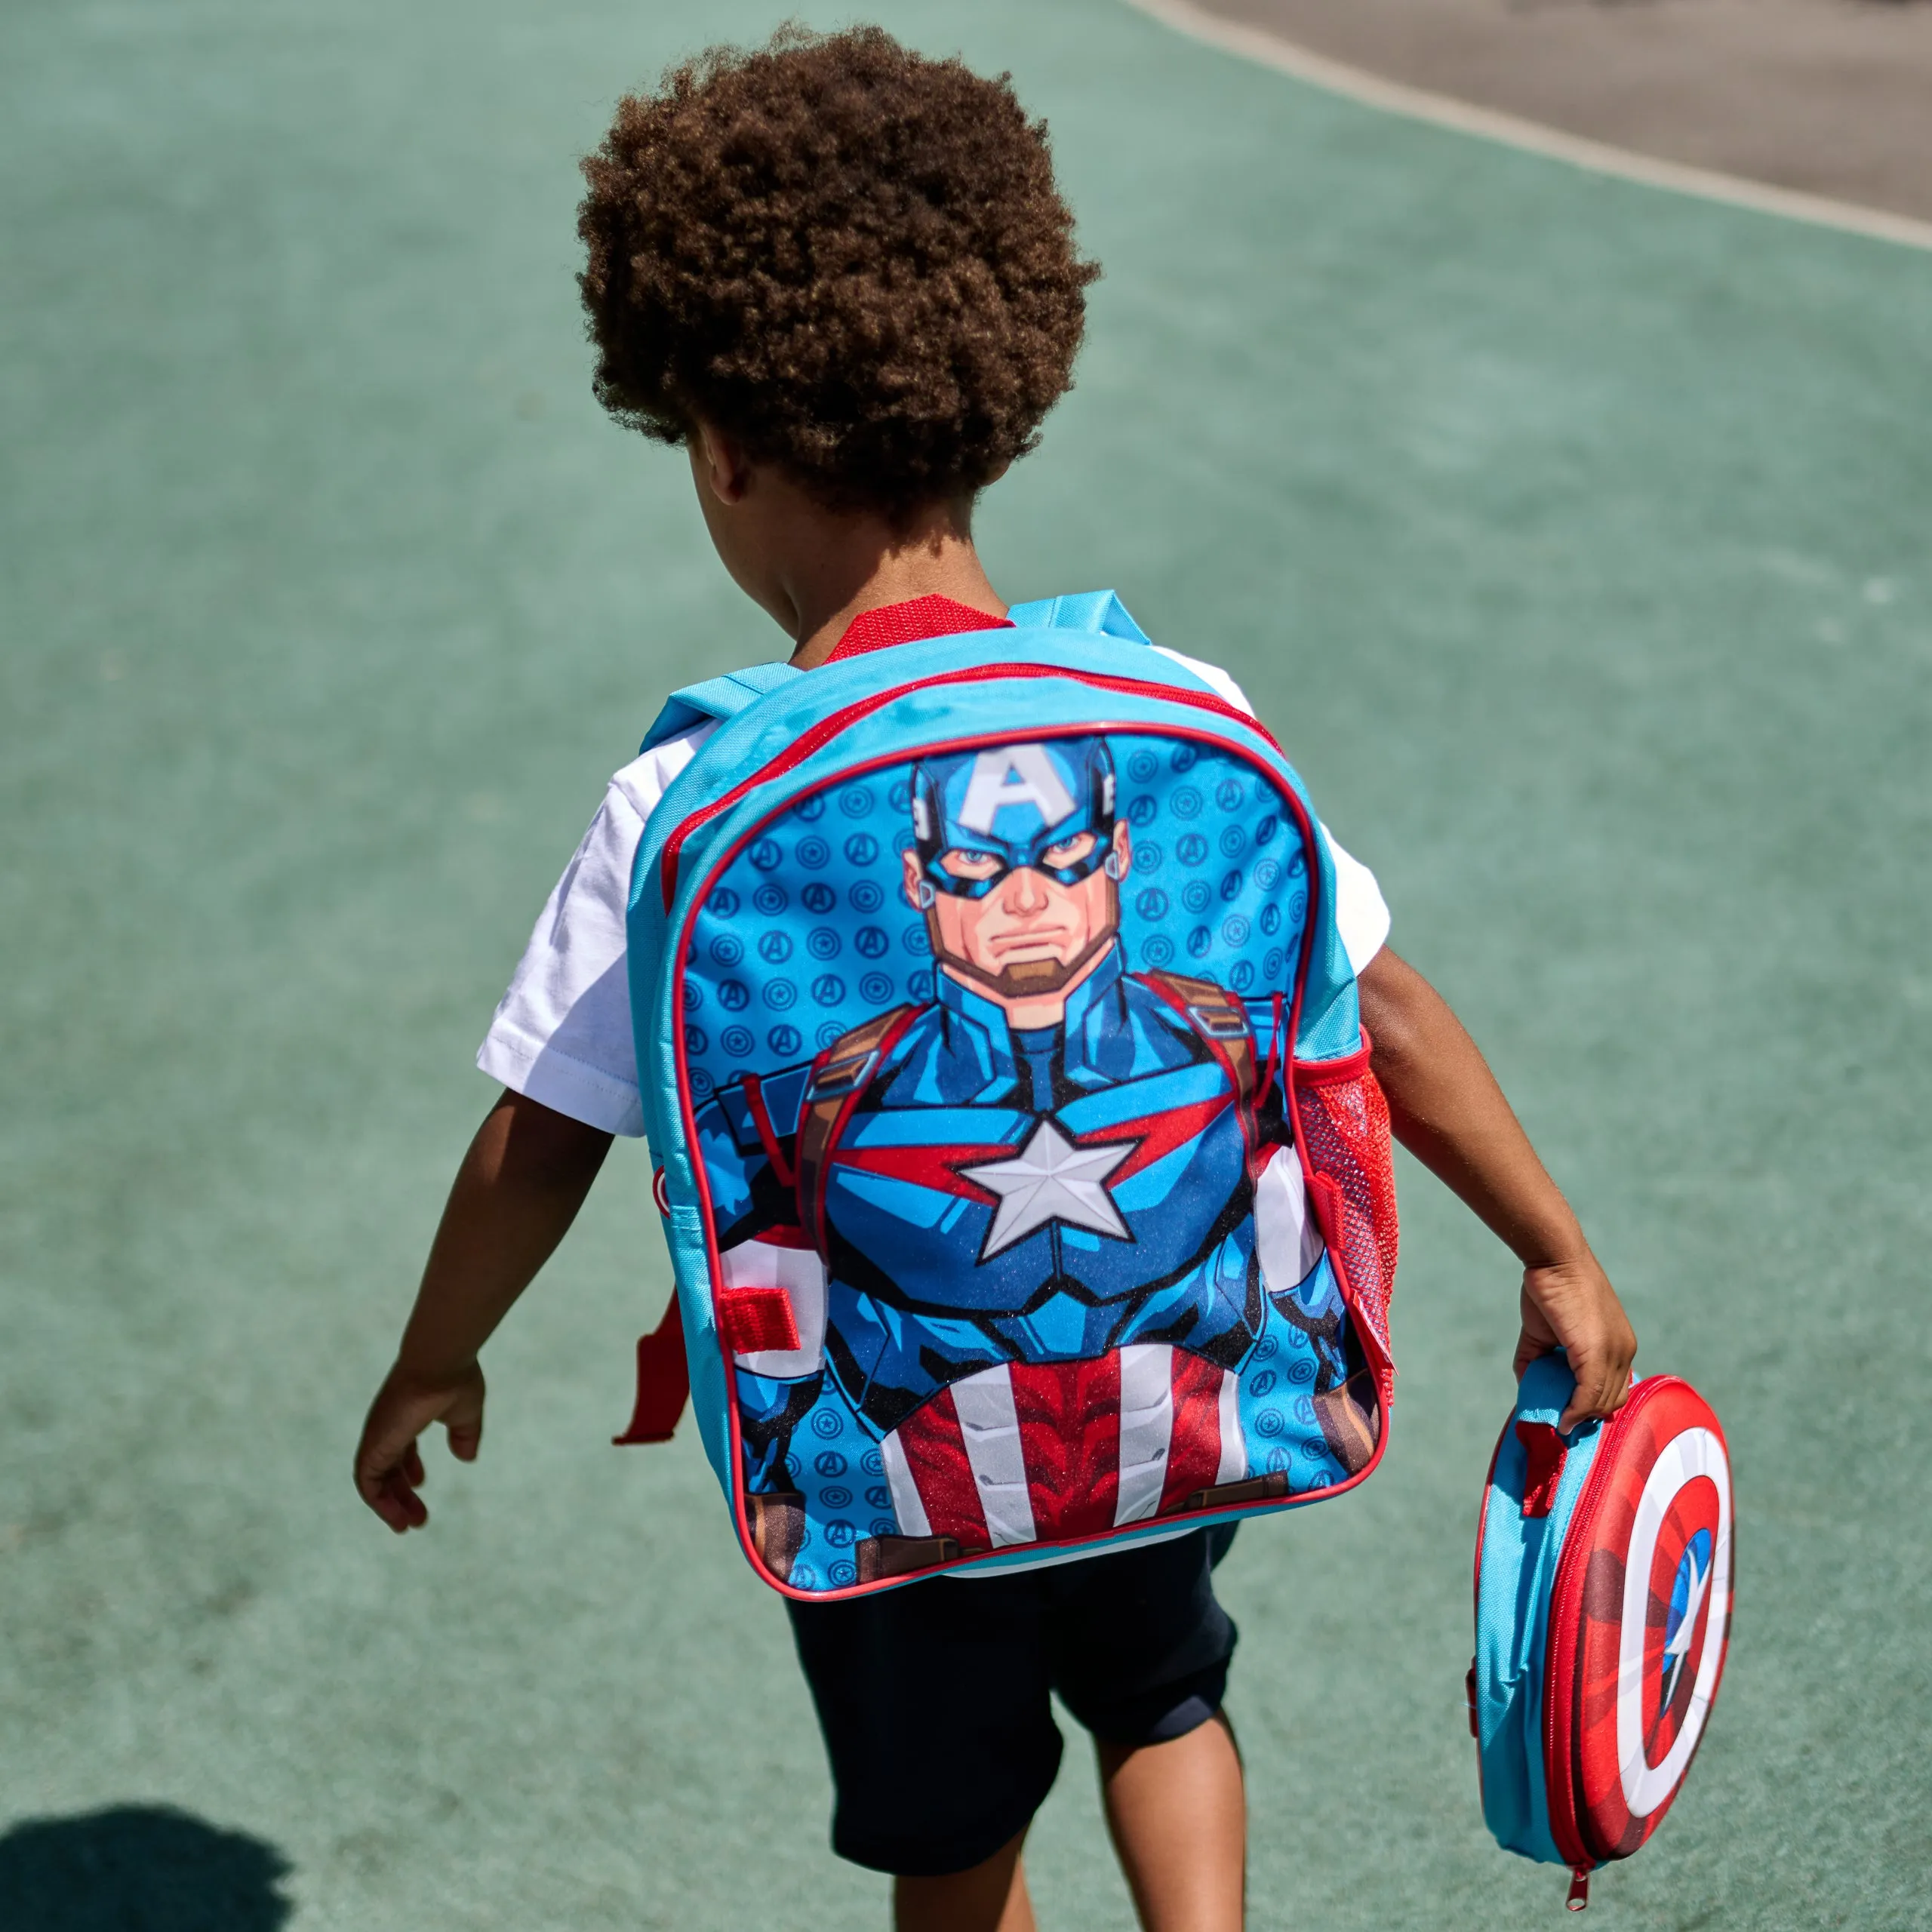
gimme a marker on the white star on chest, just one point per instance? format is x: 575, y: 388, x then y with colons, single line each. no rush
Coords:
x: 1050, y: 1180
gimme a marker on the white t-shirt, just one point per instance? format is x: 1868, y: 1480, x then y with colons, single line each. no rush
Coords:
x: 562, y: 1033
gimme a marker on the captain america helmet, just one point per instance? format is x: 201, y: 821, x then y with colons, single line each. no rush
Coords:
x: 1013, y: 803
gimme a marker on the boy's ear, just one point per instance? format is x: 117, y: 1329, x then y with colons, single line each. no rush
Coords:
x: 720, y: 461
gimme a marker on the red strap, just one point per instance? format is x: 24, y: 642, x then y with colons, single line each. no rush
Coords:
x: 768, y: 1135
x: 1547, y: 1452
x: 911, y: 622
x: 752, y: 1320
x: 1329, y: 1205
x: 663, y: 1381
x: 1276, y: 1059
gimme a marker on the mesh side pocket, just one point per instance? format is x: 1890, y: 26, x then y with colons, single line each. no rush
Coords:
x: 1343, y: 1121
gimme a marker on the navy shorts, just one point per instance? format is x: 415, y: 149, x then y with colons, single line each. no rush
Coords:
x: 934, y: 1699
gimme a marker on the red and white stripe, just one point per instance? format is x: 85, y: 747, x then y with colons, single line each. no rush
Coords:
x: 1034, y: 1451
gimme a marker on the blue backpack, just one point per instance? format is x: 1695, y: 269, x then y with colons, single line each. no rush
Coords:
x: 1027, y: 1188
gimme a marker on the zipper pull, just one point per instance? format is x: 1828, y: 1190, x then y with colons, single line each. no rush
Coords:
x: 1579, y: 1889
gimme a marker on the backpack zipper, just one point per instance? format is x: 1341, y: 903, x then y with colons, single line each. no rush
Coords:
x: 822, y: 733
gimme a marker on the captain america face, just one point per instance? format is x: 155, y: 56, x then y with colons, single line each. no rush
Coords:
x: 1015, y: 861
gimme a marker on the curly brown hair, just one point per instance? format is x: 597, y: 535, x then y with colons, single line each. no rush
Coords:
x: 851, y: 258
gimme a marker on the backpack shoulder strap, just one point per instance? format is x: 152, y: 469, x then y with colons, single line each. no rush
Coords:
x: 1220, y: 1020
x: 840, y: 1075
x: 1100, y: 611
x: 716, y: 697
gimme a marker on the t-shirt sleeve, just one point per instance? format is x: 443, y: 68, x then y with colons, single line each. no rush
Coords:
x: 562, y: 1033
x: 1361, y: 914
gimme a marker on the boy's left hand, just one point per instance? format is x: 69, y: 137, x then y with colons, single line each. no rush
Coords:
x: 1571, y: 1305
x: 389, y: 1465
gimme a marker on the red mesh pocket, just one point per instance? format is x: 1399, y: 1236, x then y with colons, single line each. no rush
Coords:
x: 1343, y: 1122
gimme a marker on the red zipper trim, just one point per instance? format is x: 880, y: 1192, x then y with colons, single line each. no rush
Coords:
x: 1566, y: 1593
x: 826, y: 729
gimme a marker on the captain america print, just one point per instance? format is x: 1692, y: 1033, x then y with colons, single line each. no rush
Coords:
x: 1035, y: 1237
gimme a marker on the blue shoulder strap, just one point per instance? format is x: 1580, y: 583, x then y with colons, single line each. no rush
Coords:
x: 1097, y: 610
x: 716, y: 697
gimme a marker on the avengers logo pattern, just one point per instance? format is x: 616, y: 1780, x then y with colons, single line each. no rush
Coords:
x: 985, y: 1057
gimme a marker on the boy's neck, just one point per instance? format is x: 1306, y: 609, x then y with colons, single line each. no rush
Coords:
x: 862, y: 563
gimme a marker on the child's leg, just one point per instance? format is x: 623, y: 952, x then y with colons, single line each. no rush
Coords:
x: 934, y: 1702
x: 1178, y: 1816
x: 991, y: 1897
x: 935, y: 1706
x: 1141, y: 1651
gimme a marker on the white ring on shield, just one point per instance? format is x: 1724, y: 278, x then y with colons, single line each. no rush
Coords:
x: 1697, y: 1452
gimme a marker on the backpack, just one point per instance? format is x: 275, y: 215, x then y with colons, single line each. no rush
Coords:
x: 1027, y: 1189
x: 1603, y: 1586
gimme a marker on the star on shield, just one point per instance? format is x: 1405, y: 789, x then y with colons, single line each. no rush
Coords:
x: 1050, y: 1180
x: 1679, y: 1648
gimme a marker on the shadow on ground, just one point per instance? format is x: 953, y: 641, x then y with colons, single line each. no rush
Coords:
x: 139, y: 1868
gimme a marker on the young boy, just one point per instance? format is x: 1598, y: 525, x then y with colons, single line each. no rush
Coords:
x: 840, y: 277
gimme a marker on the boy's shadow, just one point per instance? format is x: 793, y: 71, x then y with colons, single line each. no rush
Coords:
x: 139, y: 1868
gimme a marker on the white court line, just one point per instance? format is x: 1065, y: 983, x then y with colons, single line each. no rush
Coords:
x: 1269, y: 50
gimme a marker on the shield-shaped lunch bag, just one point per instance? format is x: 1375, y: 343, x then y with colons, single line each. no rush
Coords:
x: 1603, y: 1588
x: 1026, y: 1187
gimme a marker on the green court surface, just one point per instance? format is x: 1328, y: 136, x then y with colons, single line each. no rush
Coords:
x: 1573, y: 537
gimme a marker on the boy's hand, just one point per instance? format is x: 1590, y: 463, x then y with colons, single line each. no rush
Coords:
x: 389, y: 1466
x: 520, y: 1185
x: 1571, y: 1305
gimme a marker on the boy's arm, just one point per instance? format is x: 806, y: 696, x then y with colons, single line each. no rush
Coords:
x: 1447, y: 1110
x: 517, y: 1191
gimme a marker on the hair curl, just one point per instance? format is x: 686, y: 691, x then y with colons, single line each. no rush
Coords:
x: 853, y: 259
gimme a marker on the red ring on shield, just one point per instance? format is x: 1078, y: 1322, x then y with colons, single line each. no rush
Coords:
x: 1634, y: 1665
x: 660, y: 1192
